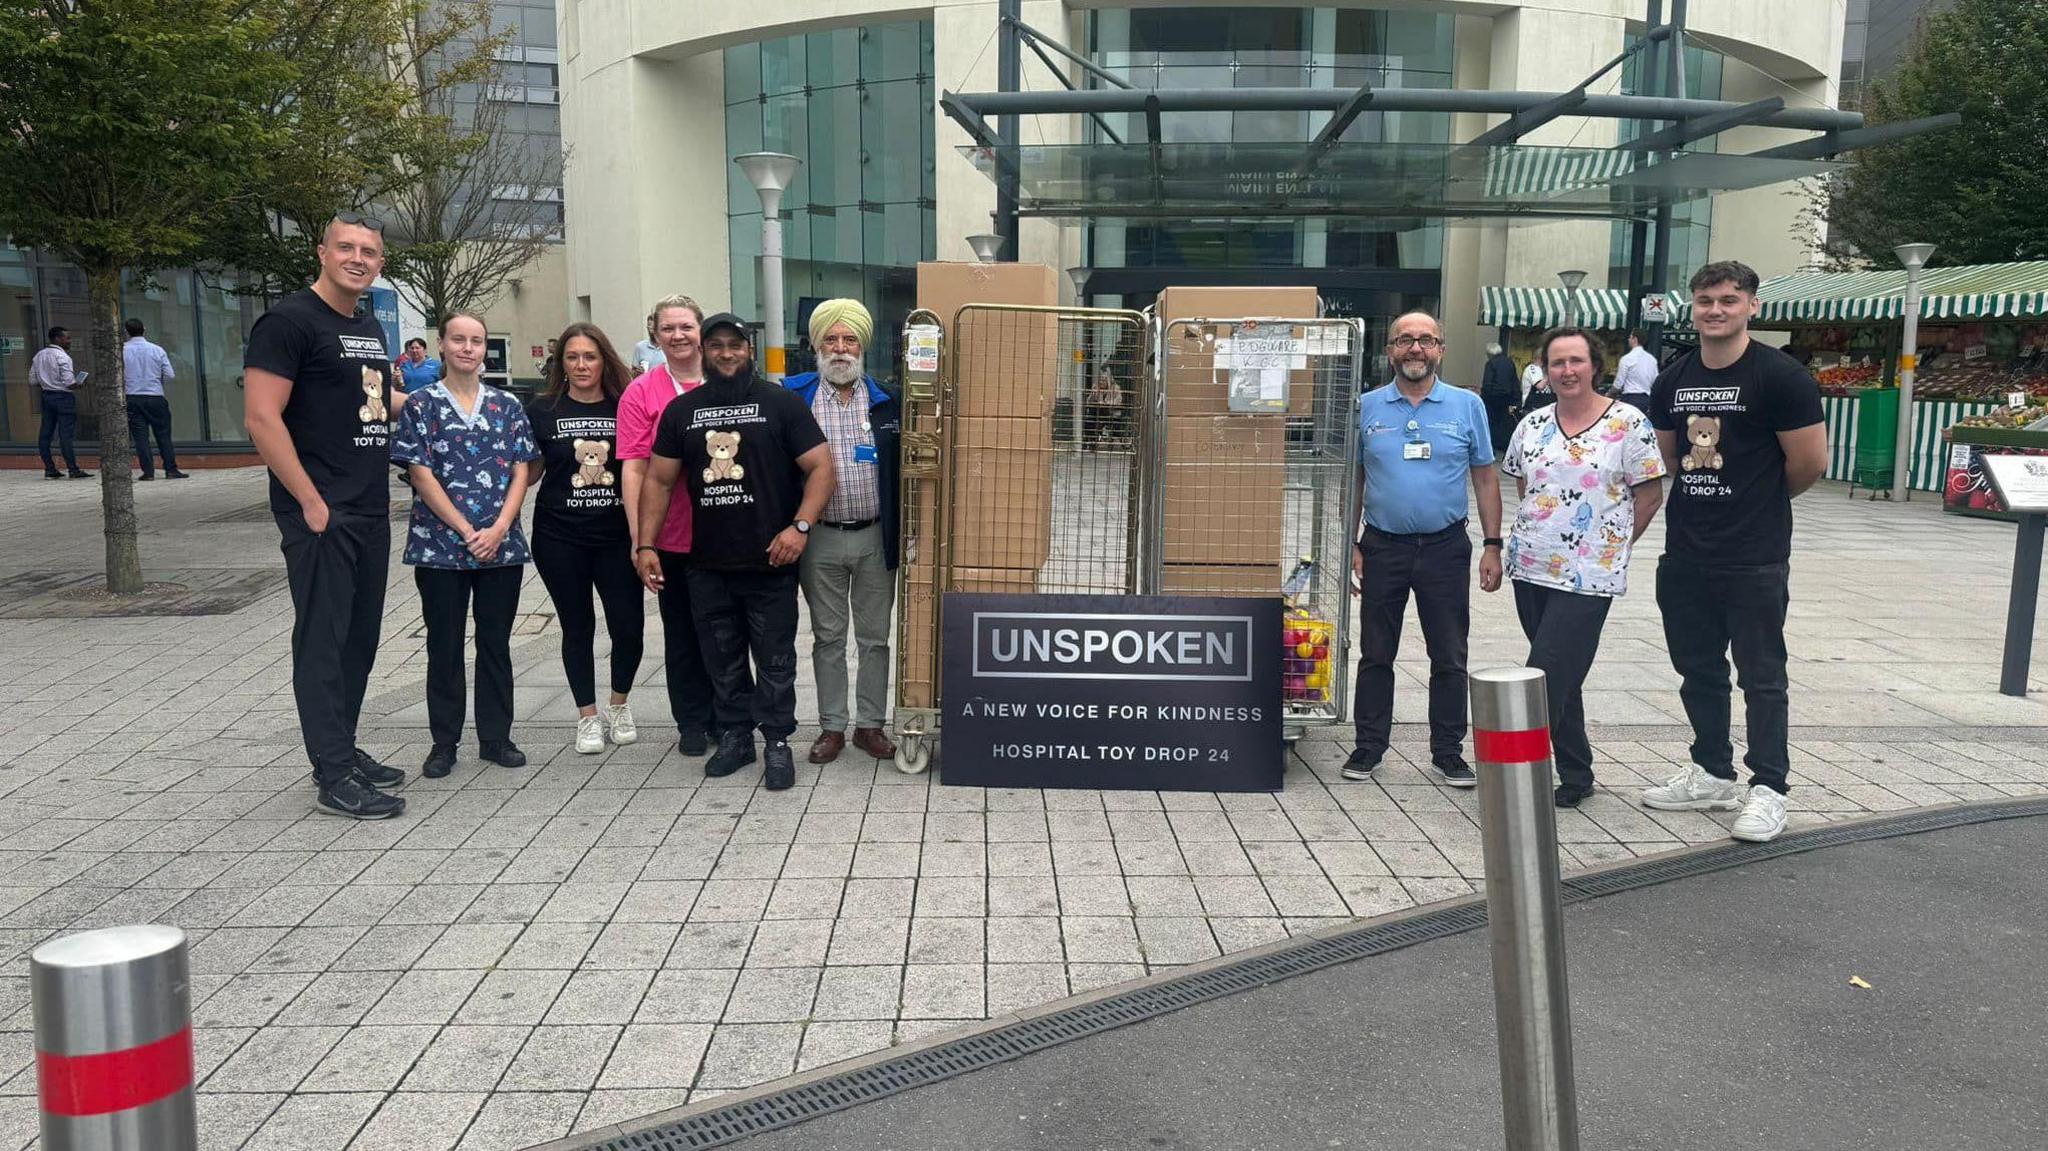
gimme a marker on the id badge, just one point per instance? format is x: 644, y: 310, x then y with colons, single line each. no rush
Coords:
x: 1415, y: 451
x: 865, y: 454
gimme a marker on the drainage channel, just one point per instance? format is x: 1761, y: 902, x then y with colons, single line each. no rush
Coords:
x: 784, y: 1108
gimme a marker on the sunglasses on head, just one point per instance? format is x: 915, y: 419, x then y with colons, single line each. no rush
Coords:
x: 358, y: 220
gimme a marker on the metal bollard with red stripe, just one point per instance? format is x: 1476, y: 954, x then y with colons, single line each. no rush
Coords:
x: 1524, y: 909
x: 113, y: 1018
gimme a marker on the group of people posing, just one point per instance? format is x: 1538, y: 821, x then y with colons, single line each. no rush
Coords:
x: 1737, y: 428
x: 722, y: 492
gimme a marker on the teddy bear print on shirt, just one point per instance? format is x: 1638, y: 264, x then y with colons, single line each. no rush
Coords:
x: 1704, y: 434
x: 373, y: 410
x: 590, y: 460
x: 724, y: 448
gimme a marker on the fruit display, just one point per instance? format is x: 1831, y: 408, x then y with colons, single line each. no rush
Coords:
x: 1306, y: 668
x: 2007, y: 417
x: 1849, y: 376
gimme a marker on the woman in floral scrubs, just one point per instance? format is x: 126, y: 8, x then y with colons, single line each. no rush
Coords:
x: 464, y: 445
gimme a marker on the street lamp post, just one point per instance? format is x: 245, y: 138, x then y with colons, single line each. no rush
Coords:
x: 987, y: 246
x: 770, y: 173
x: 1914, y: 256
x: 1571, y: 280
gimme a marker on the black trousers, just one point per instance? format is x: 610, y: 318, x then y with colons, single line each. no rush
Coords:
x: 60, y: 420
x: 337, y: 584
x: 572, y: 572
x: 1564, y: 633
x: 742, y: 614
x: 1709, y: 614
x: 1437, y: 569
x: 1498, y: 421
x: 1640, y: 401
x: 690, y: 691
x: 148, y: 414
x: 448, y: 596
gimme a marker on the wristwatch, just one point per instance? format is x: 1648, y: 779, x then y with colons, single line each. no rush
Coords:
x: 1492, y: 542
x: 803, y: 527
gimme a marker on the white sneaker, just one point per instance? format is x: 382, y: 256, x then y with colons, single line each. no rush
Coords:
x: 1694, y: 790
x: 589, y: 735
x: 619, y: 717
x: 1762, y: 818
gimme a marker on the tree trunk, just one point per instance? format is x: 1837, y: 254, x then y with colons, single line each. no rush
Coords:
x: 110, y: 402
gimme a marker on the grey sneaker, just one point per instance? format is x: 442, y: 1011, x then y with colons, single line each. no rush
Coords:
x: 1694, y: 789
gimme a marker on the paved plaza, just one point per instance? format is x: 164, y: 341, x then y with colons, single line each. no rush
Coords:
x: 531, y: 953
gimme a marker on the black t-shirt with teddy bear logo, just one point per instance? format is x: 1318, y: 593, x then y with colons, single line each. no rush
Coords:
x: 1730, y: 506
x: 579, y: 501
x: 339, y: 413
x: 739, y: 441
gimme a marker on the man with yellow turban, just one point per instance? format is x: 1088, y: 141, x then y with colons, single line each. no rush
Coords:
x: 847, y: 572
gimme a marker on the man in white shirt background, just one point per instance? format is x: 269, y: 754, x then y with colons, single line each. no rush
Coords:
x: 51, y: 373
x: 1636, y: 373
x: 145, y: 366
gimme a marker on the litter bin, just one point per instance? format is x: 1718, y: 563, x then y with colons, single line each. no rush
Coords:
x: 1877, y: 441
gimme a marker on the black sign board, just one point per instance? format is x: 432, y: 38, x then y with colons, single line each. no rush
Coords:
x: 1156, y: 693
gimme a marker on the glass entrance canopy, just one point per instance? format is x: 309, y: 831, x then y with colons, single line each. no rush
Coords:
x: 1370, y: 178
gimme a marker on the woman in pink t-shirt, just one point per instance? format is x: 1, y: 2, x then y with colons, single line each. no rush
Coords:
x: 675, y: 320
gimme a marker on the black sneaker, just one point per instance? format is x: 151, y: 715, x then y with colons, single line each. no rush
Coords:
x: 80, y: 474
x: 145, y: 477
x: 175, y: 474
x: 735, y: 751
x: 380, y: 775
x: 351, y: 797
x: 53, y: 475
x: 506, y: 754
x: 1361, y: 764
x: 1455, y: 770
x: 440, y: 762
x: 694, y: 743
x: 1568, y: 796
x: 779, y: 773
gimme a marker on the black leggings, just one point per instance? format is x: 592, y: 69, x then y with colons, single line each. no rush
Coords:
x: 571, y: 571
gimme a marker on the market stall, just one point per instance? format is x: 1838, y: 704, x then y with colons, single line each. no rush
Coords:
x: 1524, y: 314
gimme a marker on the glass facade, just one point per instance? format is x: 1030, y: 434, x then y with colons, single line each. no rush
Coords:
x: 1368, y: 267
x: 856, y: 105
x: 200, y: 320
x: 1691, y: 221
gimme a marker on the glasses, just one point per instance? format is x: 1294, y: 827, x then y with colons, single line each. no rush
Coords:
x: 1407, y: 343
x: 358, y: 220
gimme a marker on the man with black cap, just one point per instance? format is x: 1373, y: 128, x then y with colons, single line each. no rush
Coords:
x: 758, y: 472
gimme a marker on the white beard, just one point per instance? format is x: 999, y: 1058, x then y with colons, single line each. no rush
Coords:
x: 839, y: 371
x: 1414, y: 370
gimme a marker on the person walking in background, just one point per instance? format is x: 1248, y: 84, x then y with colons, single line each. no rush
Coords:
x: 52, y: 375
x: 1105, y: 404
x: 465, y: 445
x: 582, y: 543
x: 1589, y: 473
x: 416, y: 369
x: 1421, y: 441
x: 847, y: 569
x: 1499, y: 392
x: 676, y: 321
x: 759, y: 471
x: 144, y: 368
x: 1740, y: 426
x: 319, y: 394
x: 647, y: 353
x: 1636, y: 374
x: 1535, y: 388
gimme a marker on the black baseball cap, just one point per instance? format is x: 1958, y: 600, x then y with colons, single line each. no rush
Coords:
x: 725, y: 320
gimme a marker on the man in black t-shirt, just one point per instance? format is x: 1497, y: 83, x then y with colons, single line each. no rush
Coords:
x: 319, y: 401
x: 758, y: 473
x: 1741, y: 429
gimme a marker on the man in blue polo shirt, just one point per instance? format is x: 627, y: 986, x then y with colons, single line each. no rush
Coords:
x: 1421, y: 441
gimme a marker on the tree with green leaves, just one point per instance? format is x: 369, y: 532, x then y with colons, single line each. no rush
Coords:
x: 126, y: 126
x: 1974, y: 191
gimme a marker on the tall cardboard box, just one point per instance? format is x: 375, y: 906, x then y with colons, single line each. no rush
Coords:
x: 1220, y: 579
x: 1222, y: 490
x: 1007, y: 362
x: 1193, y: 387
x: 1001, y: 495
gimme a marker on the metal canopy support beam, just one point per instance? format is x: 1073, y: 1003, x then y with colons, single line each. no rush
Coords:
x: 1529, y: 119
x: 969, y: 120
x: 1039, y: 52
x: 1035, y: 38
x: 1673, y: 77
x: 1686, y: 131
x: 1343, y: 118
x: 1639, y: 230
x: 1009, y: 74
x: 1835, y: 143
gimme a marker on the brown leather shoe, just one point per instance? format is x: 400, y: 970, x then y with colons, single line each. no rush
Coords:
x: 872, y: 741
x: 828, y: 747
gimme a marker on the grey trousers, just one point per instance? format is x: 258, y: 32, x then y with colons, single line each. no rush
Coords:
x: 844, y: 575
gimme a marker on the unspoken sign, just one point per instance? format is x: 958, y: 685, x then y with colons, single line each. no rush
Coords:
x: 1155, y: 693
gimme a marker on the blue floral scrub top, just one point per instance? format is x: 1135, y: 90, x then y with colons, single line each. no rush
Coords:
x: 472, y: 456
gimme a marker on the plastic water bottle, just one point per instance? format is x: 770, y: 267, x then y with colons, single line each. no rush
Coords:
x: 1298, y: 580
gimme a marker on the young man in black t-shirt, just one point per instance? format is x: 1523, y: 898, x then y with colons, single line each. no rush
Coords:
x: 319, y: 401
x: 758, y: 472
x: 1740, y: 425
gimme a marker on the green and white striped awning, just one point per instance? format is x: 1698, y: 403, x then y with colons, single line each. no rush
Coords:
x: 1966, y: 292
x: 1525, y: 171
x: 1545, y: 307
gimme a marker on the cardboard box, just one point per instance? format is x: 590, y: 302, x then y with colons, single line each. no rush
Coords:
x: 1220, y: 579
x: 1001, y: 493
x: 1222, y: 490
x: 917, y: 659
x: 1193, y: 387
x: 1007, y: 363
